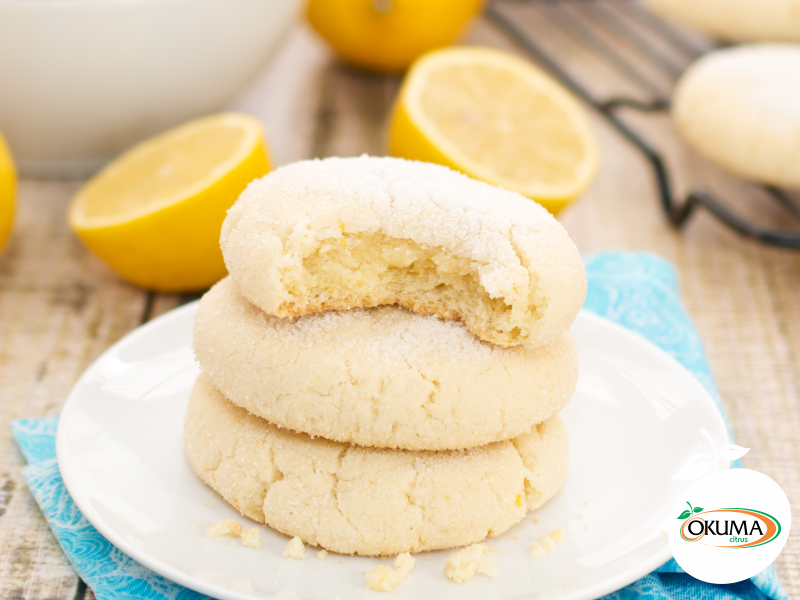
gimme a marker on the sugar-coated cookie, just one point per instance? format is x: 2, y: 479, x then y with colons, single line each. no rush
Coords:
x: 368, y: 501
x: 740, y: 108
x: 736, y: 20
x: 384, y: 376
x: 343, y: 233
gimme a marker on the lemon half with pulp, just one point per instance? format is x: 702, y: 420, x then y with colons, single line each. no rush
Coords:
x: 498, y: 118
x: 154, y: 214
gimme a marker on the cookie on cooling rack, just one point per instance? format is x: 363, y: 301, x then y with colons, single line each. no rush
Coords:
x: 735, y: 20
x: 740, y: 108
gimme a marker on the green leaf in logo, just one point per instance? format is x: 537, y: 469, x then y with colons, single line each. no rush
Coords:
x: 698, y: 509
x: 685, y: 514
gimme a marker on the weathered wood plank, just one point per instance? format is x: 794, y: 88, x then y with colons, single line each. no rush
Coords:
x: 59, y: 309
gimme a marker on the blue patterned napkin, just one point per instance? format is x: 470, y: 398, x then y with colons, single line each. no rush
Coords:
x: 640, y: 291
x: 637, y: 290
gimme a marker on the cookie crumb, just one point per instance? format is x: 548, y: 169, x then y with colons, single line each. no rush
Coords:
x: 535, y: 520
x: 579, y: 517
x: 557, y: 535
x: 537, y: 550
x: 295, y: 549
x: 547, y: 543
x: 206, y: 503
x: 384, y: 579
x: 251, y: 538
x: 224, y: 527
x: 465, y: 564
x: 322, y: 554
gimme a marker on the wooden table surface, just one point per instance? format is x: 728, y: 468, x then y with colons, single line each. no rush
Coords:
x: 60, y: 307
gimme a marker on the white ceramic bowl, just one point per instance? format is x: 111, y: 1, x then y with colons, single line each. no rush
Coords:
x: 82, y: 80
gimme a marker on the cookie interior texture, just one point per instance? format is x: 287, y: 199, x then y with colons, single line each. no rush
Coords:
x: 384, y: 377
x: 366, y: 501
x: 371, y: 269
x: 360, y: 232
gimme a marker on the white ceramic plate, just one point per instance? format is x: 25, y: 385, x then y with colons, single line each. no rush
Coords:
x: 634, y: 423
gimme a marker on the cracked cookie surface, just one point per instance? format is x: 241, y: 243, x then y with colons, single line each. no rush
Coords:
x: 344, y: 233
x: 367, y: 501
x: 384, y: 377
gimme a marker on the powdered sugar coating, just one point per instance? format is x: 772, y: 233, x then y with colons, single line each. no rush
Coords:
x: 393, y: 336
x: 384, y: 377
x: 367, y: 501
x: 348, y: 232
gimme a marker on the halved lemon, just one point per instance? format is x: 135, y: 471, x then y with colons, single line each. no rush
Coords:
x: 8, y: 180
x: 498, y: 118
x: 154, y: 214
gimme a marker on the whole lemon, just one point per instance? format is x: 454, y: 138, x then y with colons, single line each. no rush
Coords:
x: 387, y: 35
x: 7, y: 189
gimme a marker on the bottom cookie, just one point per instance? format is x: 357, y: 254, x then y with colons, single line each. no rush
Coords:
x: 369, y: 501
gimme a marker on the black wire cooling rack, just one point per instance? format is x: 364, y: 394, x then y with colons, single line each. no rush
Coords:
x: 593, y: 23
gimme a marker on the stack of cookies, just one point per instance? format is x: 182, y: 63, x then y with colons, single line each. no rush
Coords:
x: 384, y: 367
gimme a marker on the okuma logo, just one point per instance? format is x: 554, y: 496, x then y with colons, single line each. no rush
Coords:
x: 728, y: 527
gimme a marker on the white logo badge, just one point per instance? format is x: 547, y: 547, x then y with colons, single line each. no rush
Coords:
x: 729, y: 526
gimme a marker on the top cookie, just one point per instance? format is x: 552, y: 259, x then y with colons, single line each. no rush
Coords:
x: 342, y: 233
